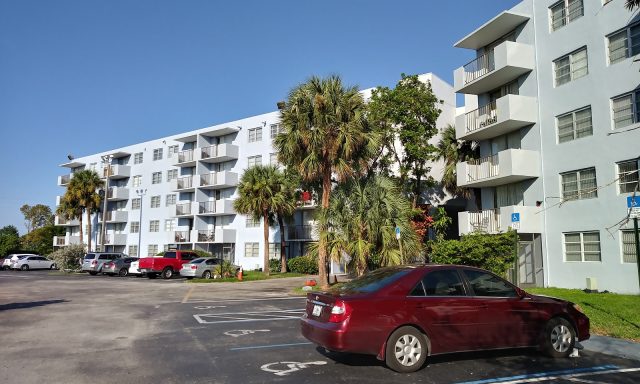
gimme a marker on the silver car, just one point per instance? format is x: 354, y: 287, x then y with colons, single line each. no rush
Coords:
x: 202, y: 267
x: 33, y: 262
x: 94, y: 261
x: 118, y: 267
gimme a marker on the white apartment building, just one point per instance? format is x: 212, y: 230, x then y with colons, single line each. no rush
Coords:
x: 553, y: 100
x: 178, y: 192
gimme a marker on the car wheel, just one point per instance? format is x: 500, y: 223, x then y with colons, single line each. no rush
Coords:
x: 24, y: 267
x: 206, y: 275
x: 167, y: 273
x: 559, y: 338
x: 53, y: 266
x: 406, y: 350
x: 123, y: 272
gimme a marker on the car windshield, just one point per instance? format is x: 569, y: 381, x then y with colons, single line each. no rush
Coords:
x: 196, y: 261
x: 373, y: 281
x: 22, y: 257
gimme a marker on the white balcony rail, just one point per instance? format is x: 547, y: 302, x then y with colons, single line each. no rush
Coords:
x: 208, y: 179
x: 183, y: 209
x: 483, y: 168
x: 207, y: 207
x: 64, y: 179
x: 479, y: 67
x: 206, y: 236
x: 487, y: 221
x: 184, y: 182
x: 185, y: 156
x: 181, y: 236
x: 209, y: 152
x: 481, y: 117
x: 61, y: 241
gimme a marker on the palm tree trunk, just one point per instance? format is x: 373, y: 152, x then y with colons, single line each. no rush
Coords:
x: 265, y: 231
x: 89, y: 229
x: 323, y: 273
x: 283, y: 257
x: 81, y: 230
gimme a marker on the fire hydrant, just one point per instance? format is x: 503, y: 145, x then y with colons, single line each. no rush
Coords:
x: 239, y: 275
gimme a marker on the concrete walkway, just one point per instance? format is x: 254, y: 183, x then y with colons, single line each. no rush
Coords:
x: 613, y: 346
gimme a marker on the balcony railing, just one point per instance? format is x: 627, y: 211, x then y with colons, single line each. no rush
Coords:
x: 207, y: 207
x: 209, y: 152
x: 60, y: 241
x: 183, y: 209
x: 479, y: 67
x: 487, y: 221
x: 299, y: 232
x: 185, y: 156
x: 208, y: 179
x: 184, y: 182
x: 481, y: 117
x: 64, y: 179
x: 206, y: 236
x: 181, y: 236
x: 483, y: 168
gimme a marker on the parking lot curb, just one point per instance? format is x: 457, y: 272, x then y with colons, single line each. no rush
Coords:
x: 612, y: 346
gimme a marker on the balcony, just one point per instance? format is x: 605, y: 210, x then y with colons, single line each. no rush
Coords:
x: 64, y: 180
x: 497, y: 67
x: 504, y: 115
x: 61, y: 221
x: 115, y: 239
x: 185, y: 209
x: 219, y: 153
x: 116, y: 216
x: 492, y: 30
x: 216, y: 180
x: 505, y: 167
x: 186, y: 158
x: 301, y: 233
x: 116, y: 171
x: 62, y: 241
x: 183, y: 184
x: 216, y: 207
x: 218, y: 235
x: 117, y: 193
x: 499, y: 220
x: 181, y: 237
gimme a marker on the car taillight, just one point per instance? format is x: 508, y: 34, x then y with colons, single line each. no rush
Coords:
x: 94, y: 263
x: 194, y: 267
x: 110, y: 265
x: 340, y: 312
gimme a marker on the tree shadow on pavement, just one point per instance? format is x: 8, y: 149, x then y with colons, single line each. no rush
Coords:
x: 29, y: 304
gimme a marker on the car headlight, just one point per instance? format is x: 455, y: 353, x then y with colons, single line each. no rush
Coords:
x: 577, y: 308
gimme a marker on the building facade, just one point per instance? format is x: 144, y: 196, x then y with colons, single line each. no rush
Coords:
x: 178, y: 192
x: 553, y: 101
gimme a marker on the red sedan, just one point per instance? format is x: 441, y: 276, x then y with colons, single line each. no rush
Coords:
x: 404, y: 314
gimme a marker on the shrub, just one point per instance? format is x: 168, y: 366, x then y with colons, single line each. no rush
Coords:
x: 68, y: 258
x: 303, y: 264
x: 491, y: 252
x: 274, y: 265
x: 225, y: 269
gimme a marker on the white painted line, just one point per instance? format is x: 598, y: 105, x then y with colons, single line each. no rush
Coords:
x: 243, y: 332
x: 567, y: 377
x: 209, y: 306
x: 197, y: 301
x: 290, y: 367
x: 240, y: 317
x: 585, y: 381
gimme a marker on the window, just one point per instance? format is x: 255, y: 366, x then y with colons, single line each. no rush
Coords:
x: 137, y: 158
x: 487, y: 284
x: 156, y: 178
x: 439, y: 283
x: 255, y: 134
x: 628, y: 176
x: 273, y: 159
x: 628, y: 246
x: 155, y: 201
x: 254, y: 160
x: 170, y: 200
x: 134, y: 227
x: 574, y: 125
x: 171, y: 150
x: 152, y: 249
x: 135, y: 203
x: 626, y: 109
x: 172, y: 174
x: 571, y: 67
x: 157, y: 154
x: 154, y: 226
x: 564, y: 12
x: 582, y: 246
x: 133, y: 250
x: 274, y: 250
x: 252, y: 222
x: 624, y: 44
x: 275, y: 129
x: 169, y: 225
x: 251, y: 249
x: 137, y: 180
x: 578, y: 185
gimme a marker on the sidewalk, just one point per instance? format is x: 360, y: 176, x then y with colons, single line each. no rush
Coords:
x: 612, y: 346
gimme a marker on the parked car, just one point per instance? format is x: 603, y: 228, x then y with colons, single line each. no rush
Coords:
x: 202, y: 267
x: 404, y: 314
x: 134, y: 268
x: 94, y: 261
x: 166, y: 265
x: 33, y: 262
x: 9, y: 260
x: 118, y: 267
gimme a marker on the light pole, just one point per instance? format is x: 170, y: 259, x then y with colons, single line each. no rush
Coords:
x: 106, y: 160
x: 141, y: 192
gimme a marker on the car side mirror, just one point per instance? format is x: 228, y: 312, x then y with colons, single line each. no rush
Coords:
x: 521, y: 293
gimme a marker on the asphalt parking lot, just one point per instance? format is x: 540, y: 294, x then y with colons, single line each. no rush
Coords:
x: 99, y: 329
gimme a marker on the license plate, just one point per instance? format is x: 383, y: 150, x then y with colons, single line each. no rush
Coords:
x: 317, y: 309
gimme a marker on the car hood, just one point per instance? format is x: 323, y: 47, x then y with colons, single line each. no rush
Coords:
x: 547, y: 299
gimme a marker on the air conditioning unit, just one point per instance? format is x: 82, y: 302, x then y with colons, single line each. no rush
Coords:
x: 592, y: 284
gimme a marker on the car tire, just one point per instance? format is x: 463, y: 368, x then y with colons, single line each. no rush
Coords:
x: 406, y: 350
x: 53, y: 266
x: 167, y: 273
x: 123, y: 272
x: 24, y: 267
x: 93, y: 273
x: 206, y: 275
x: 558, y: 338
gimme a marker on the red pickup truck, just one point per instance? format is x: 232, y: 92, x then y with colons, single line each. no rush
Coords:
x: 165, y: 265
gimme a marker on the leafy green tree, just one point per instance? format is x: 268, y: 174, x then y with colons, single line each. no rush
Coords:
x: 83, y: 189
x: 325, y: 134
x: 36, y: 216
x: 40, y: 240
x: 441, y: 221
x: 9, y: 240
x: 407, y: 114
x: 260, y: 195
x: 632, y: 4
x: 363, y: 216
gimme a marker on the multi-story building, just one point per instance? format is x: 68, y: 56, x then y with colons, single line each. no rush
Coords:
x: 178, y: 192
x: 552, y: 99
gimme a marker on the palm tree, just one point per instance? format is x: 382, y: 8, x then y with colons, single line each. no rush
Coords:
x: 325, y: 134
x: 83, y: 189
x: 453, y: 151
x: 363, y: 215
x: 632, y: 4
x: 260, y: 193
x: 70, y: 209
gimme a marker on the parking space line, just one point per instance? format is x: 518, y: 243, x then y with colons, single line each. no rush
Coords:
x: 585, y: 381
x: 240, y: 317
x: 555, y: 375
x: 186, y: 297
x: 269, y: 346
x: 197, y: 301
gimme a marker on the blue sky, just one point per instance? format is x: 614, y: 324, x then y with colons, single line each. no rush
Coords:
x: 85, y: 76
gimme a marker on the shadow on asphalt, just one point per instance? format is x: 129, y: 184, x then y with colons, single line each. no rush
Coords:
x: 29, y: 304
